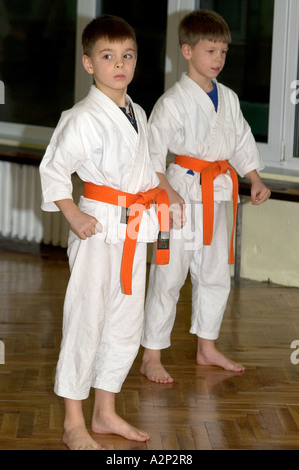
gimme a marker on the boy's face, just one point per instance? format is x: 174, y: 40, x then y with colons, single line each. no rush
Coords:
x: 112, y: 64
x: 206, y: 60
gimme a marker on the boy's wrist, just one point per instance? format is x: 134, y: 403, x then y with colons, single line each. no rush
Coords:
x: 68, y: 208
x: 253, y: 176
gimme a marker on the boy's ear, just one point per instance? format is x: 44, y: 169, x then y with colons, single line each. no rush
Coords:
x: 186, y: 51
x: 87, y: 64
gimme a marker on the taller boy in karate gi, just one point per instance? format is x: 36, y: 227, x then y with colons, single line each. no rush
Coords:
x: 104, y: 139
x: 200, y: 121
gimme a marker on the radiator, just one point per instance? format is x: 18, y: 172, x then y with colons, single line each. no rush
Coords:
x: 21, y: 217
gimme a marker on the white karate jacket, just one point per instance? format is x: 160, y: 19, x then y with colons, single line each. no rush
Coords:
x: 96, y: 140
x: 184, y: 122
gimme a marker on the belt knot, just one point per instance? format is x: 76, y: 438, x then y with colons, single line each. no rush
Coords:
x: 140, y: 202
x: 209, y: 171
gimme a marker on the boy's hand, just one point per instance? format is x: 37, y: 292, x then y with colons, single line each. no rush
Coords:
x: 259, y: 191
x: 83, y: 225
x: 177, y: 210
x: 176, y: 204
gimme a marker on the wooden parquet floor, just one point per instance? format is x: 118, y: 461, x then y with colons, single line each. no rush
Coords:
x: 205, y: 409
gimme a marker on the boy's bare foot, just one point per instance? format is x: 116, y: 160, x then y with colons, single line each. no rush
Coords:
x: 153, y: 369
x: 155, y: 372
x: 114, y: 424
x: 78, y: 438
x: 208, y: 355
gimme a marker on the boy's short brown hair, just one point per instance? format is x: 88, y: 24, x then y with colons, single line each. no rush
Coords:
x: 203, y: 25
x: 112, y: 28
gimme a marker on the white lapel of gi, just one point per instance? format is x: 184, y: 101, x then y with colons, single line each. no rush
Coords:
x: 139, y: 150
x: 135, y: 141
x: 216, y: 119
x: 200, y: 97
x: 218, y: 128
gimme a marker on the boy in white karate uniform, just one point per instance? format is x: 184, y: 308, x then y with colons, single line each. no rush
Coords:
x: 200, y: 121
x: 104, y: 138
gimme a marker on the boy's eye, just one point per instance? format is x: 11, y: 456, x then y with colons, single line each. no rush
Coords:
x: 107, y: 56
x: 213, y: 51
x: 130, y: 55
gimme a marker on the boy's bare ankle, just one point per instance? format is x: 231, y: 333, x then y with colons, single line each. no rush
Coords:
x: 151, y: 355
x: 209, y: 355
x: 70, y: 424
x: 153, y: 369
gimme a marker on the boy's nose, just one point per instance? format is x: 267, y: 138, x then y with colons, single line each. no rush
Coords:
x: 119, y: 64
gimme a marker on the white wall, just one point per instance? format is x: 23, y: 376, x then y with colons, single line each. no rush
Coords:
x: 270, y: 242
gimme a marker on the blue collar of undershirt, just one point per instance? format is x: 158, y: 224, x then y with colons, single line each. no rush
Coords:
x: 214, y: 96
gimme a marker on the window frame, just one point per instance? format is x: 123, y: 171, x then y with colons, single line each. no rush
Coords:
x: 24, y: 135
x: 277, y: 153
x: 292, y: 67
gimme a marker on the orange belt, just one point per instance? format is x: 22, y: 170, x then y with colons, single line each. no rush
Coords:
x: 209, y: 171
x: 137, y: 204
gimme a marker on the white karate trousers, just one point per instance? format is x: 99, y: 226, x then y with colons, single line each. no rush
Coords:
x: 102, y: 327
x: 210, y: 276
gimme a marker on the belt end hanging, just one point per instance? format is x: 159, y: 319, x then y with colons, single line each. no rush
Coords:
x: 163, y: 248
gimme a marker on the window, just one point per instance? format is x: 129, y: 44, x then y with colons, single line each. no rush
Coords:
x: 37, y: 60
x: 40, y: 60
x: 149, y: 21
x: 251, y: 25
x: 261, y: 67
x: 295, y: 102
x: 262, y: 64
